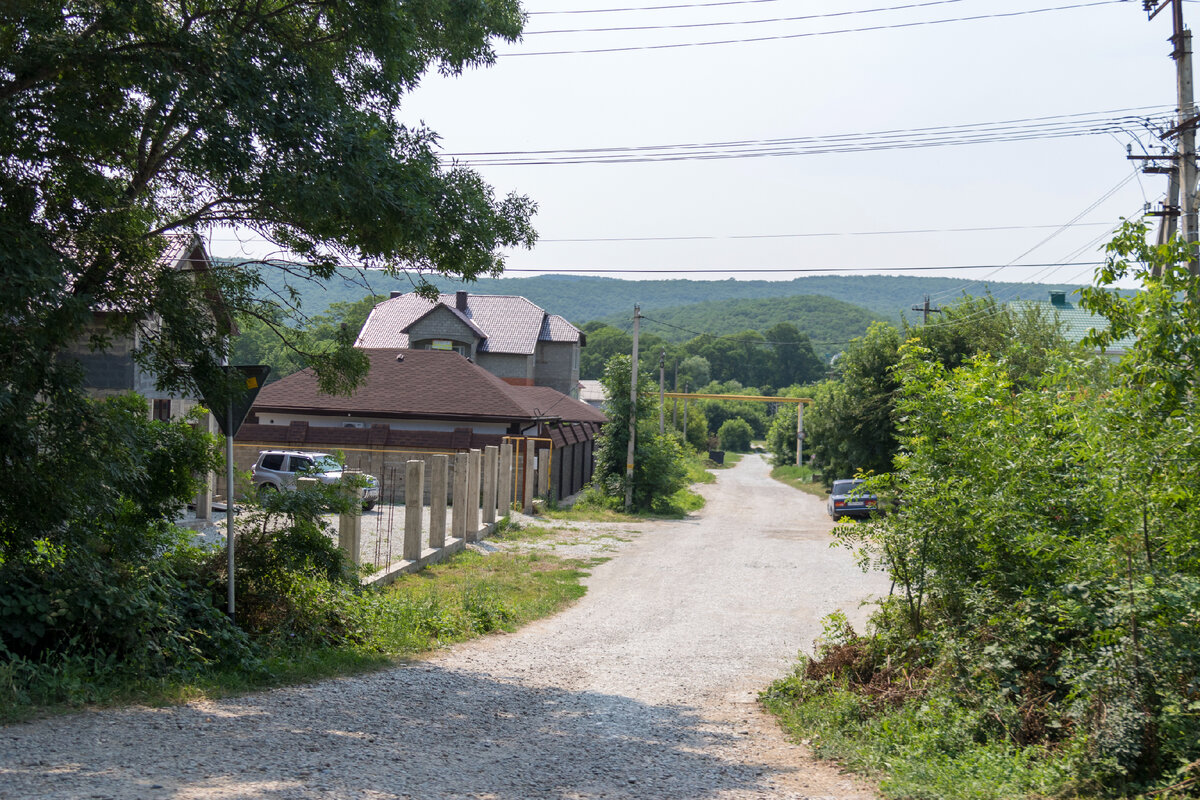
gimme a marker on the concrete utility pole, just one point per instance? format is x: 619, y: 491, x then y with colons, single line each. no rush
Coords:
x: 662, y: 410
x: 800, y: 433
x: 927, y: 309
x: 633, y: 376
x: 1183, y: 173
x: 687, y: 387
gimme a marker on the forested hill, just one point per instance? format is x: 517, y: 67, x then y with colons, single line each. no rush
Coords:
x: 827, y: 322
x: 583, y: 299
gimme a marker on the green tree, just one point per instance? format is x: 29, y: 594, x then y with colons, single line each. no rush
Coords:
x: 734, y: 434
x: 603, y: 342
x: 124, y: 123
x: 659, y: 470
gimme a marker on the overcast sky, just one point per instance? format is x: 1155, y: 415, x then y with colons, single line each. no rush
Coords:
x: 833, y: 211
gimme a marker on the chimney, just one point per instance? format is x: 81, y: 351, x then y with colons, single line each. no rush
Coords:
x: 460, y: 301
x: 396, y: 294
x: 1058, y: 299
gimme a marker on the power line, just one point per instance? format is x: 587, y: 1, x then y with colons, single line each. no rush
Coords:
x: 738, y: 237
x: 1035, y: 128
x: 650, y: 8
x: 744, y: 21
x: 784, y: 270
x: 782, y: 37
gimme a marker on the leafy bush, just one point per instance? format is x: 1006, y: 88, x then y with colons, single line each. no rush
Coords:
x: 734, y: 435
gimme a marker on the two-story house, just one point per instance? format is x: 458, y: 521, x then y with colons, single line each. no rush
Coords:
x: 506, y: 335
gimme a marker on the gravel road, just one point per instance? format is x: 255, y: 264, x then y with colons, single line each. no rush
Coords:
x: 643, y: 689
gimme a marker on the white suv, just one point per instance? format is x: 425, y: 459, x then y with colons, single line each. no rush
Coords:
x: 276, y: 470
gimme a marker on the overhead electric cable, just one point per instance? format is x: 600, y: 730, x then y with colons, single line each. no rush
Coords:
x: 649, y: 8
x: 738, y: 237
x: 808, y: 34
x: 743, y: 21
x: 1060, y: 126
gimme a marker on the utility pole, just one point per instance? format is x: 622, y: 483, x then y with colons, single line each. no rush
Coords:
x: 799, y: 434
x: 1183, y: 177
x: 927, y: 309
x: 687, y: 387
x: 675, y: 400
x: 633, y: 376
x: 662, y: 409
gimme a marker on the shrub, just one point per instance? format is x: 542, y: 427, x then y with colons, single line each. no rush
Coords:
x: 735, y: 435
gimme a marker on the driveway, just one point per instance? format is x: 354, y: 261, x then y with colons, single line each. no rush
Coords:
x: 645, y: 688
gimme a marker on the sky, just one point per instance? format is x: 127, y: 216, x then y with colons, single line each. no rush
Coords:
x: 851, y: 69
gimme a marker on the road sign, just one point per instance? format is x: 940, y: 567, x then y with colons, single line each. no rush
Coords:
x: 250, y: 381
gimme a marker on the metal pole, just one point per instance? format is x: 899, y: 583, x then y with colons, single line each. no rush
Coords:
x: 229, y: 500
x: 633, y: 378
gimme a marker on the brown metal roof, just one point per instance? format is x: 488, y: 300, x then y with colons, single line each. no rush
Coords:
x: 425, y: 384
x: 553, y: 403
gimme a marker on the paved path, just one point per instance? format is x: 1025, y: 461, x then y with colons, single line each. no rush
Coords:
x: 643, y: 689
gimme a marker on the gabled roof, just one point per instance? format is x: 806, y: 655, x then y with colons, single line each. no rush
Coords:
x: 552, y: 403
x: 423, y: 384
x: 463, y: 318
x: 507, y: 323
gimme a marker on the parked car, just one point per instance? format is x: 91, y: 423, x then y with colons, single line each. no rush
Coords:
x: 276, y: 470
x: 846, y: 499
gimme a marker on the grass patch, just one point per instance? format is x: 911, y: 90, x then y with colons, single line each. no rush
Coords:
x: 731, y: 460
x: 799, y: 478
x: 468, y: 596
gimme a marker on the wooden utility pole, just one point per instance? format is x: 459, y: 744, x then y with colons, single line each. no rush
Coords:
x: 927, y: 309
x: 633, y: 376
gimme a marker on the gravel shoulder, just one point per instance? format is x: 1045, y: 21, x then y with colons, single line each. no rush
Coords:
x: 645, y: 688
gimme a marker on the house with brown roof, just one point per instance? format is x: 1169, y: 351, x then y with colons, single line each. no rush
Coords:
x: 414, y: 403
x: 506, y: 335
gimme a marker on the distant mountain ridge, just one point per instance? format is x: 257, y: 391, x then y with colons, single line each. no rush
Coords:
x: 582, y: 299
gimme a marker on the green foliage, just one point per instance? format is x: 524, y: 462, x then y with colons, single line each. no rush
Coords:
x: 735, y: 435
x: 1046, y: 567
x: 850, y: 426
x: 852, y: 423
x: 659, y: 470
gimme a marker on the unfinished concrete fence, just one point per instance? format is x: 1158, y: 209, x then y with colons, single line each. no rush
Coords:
x: 434, y: 521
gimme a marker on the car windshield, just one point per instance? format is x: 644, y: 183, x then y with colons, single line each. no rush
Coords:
x: 845, y: 487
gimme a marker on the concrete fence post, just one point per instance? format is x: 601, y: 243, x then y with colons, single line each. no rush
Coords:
x: 473, y: 477
x: 438, y: 475
x: 544, y: 473
x: 504, y: 481
x: 530, y: 479
x: 414, y: 493
x: 490, y: 456
x: 458, y: 515
x: 349, y: 523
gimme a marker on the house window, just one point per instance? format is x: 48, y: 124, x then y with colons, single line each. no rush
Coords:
x: 162, y: 410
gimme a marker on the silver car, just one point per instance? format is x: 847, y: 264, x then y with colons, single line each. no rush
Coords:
x: 847, y: 499
x: 276, y: 470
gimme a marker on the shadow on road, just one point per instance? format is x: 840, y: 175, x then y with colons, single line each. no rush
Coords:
x: 419, y: 731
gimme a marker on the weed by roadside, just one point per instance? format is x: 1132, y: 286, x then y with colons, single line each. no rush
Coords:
x: 467, y: 596
x: 799, y: 478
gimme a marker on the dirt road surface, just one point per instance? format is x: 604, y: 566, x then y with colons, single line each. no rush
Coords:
x: 646, y: 688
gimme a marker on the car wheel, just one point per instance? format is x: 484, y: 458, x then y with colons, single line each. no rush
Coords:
x: 367, y: 506
x: 266, y: 490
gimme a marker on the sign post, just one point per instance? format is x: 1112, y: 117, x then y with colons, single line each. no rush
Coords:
x: 230, y: 408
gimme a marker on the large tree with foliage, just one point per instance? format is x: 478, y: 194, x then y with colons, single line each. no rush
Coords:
x: 124, y: 123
